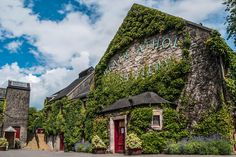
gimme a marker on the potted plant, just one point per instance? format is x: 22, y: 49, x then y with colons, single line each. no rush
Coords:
x: 17, y: 143
x: 133, y: 144
x: 3, y: 144
x: 98, y: 145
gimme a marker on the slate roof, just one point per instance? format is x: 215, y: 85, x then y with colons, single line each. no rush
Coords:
x: 62, y: 93
x: 145, y: 98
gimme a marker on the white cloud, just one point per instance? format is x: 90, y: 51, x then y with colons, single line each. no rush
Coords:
x: 77, y: 42
x: 192, y: 10
x: 44, y: 85
x: 14, y: 46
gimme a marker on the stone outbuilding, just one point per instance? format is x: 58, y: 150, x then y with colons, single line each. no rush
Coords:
x: 118, y: 122
x: 17, y: 106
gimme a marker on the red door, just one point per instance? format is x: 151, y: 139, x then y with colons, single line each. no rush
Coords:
x: 119, y: 136
x: 17, y: 131
x: 62, y: 142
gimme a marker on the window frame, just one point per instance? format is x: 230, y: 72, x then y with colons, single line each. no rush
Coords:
x: 157, y: 112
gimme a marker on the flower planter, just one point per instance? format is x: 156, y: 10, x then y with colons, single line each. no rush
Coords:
x: 136, y: 151
x: 3, y: 148
x: 100, y: 151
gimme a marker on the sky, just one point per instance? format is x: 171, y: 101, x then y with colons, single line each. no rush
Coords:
x: 48, y: 42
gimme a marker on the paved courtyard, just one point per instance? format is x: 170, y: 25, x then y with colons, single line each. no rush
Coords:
x: 27, y: 153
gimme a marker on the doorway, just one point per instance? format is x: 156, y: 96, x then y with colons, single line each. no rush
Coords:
x: 10, y: 136
x: 17, y: 128
x: 61, y: 142
x: 119, y: 133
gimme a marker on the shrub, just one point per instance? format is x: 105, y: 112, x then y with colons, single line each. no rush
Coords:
x: 193, y: 147
x: 173, y: 149
x: 153, y: 143
x: 133, y: 142
x: 224, y: 147
x: 3, y: 142
x: 97, y: 143
x: 17, y: 143
x: 83, y: 147
x: 213, y: 147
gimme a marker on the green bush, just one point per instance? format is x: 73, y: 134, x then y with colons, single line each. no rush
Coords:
x: 17, y: 143
x: 214, y: 147
x: 81, y: 148
x: 84, y: 147
x: 193, y: 147
x: 133, y: 142
x: 97, y: 143
x: 173, y: 149
x: 224, y: 147
x: 153, y: 143
x: 3, y: 142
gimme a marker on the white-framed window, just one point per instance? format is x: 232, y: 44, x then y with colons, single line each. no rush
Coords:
x: 157, y: 119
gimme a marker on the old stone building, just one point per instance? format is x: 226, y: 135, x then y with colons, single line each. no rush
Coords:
x: 146, y: 43
x: 2, y: 100
x: 162, y: 78
x: 17, y: 105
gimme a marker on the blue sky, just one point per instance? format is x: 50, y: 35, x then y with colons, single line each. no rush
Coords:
x: 49, y: 43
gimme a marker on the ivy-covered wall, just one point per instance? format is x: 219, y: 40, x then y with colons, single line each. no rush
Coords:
x: 139, y: 23
x: 65, y: 117
x: 2, y: 108
x: 174, y: 128
x: 202, y: 51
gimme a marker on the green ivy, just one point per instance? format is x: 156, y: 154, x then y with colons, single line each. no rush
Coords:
x: 217, y: 45
x: 1, y: 111
x: 220, y: 122
x: 174, y: 128
x: 153, y: 142
x: 140, y: 120
x: 231, y: 77
x: 100, y: 128
x: 65, y: 117
x: 174, y: 125
x: 140, y: 22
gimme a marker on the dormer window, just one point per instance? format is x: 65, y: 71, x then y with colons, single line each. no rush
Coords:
x: 157, y: 119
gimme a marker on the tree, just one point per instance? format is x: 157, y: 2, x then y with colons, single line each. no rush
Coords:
x: 35, y: 119
x: 231, y: 19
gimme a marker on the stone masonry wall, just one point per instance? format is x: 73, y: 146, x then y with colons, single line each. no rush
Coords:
x: 149, y: 52
x: 205, y: 82
x: 17, y: 108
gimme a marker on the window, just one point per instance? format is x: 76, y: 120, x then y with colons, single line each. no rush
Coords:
x: 157, y: 120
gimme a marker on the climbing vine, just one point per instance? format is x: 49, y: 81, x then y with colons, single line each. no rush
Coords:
x: 220, y: 123
x: 140, y: 22
x: 65, y: 117
x: 167, y: 82
x: 1, y: 111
